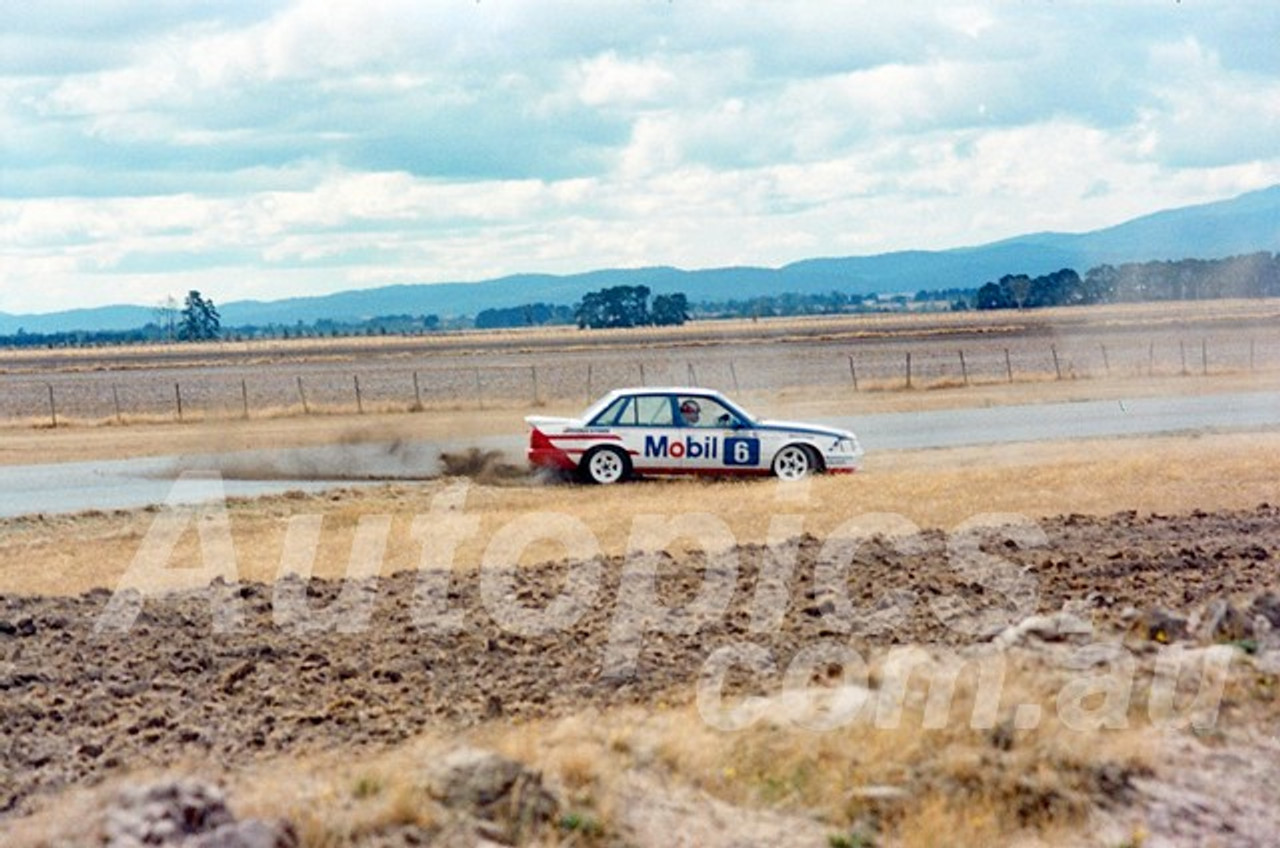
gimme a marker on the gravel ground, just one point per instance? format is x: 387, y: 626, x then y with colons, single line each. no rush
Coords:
x: 78, y: 706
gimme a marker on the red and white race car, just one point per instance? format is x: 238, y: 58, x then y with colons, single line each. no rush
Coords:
x: 684, y: 431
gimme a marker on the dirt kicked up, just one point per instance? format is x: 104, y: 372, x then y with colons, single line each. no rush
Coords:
x: 222, y: 676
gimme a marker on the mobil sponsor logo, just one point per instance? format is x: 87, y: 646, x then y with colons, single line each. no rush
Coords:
x: 688, y: 447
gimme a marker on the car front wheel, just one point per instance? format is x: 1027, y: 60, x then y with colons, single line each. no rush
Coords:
x: 605, y: 465
x: 793, y: 463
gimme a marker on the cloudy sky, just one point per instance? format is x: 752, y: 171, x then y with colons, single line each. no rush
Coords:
x: 267, y: 149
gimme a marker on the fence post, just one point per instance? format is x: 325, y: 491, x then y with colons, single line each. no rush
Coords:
x: 359, y: 399
x: 115, y: 396
x: 479, y: 390
x: 417, y: 394
x: 908, y: 369
x: 643, y: 381
x: 733, y: 372
x: 306, y: 408
x: 853, y: 373
x: 1008, y: 365
x: 1057, y: 369
x: 533, y: 371
x: 1182, y: 351
x: 244, y: 399
x: 693, y: 375
x: 53, y: 407
x: 1204, y: 357
x: 590, y: 394
x: 1151, y: 359
x: 177, y: 393
x: 964, y: 369
x: 1106, y: 363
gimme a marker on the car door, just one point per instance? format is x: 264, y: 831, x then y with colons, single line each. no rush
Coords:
x: 739, y: 448
x: 718, y: 439
x: 648, y: 431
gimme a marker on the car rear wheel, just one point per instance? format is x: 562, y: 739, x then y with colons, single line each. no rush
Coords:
x: 605, y: 465
x: 794, y: 462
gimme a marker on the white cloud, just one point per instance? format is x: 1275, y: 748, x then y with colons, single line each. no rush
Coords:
x: 310, y: 145
x: 608, y: 80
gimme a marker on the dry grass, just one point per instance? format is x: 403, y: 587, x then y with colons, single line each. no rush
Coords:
x: 905, y: 783
x: 332, y: 800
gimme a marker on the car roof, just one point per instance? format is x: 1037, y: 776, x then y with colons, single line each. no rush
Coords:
x: 666, y: 390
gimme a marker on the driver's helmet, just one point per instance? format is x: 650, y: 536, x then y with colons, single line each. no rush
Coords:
x: 690, y: 410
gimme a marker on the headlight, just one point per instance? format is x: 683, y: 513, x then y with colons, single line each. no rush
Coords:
x: 845, y: 446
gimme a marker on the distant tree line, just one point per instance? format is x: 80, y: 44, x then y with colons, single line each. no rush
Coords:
x: 529, y: 315
x: 1252, y: 275
x: 1061, y: 288
x: 378, y: 325
x: 162, y: 331
x: 786, y: 303
x: 149, y: 333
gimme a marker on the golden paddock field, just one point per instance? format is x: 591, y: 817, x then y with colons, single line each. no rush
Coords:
x: 349, y: 726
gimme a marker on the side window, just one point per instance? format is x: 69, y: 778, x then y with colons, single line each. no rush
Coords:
x: 614, y: 413
x: 715, y: 414
x: 705, y: 412
x: 653, y: 411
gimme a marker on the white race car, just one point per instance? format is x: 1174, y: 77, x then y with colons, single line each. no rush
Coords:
x: 684, y: 431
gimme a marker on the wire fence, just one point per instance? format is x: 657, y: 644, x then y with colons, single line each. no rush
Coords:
x: 532, y: 380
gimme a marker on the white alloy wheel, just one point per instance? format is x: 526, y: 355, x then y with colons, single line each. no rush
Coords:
x: 793, y: 463
x: 605, y: 466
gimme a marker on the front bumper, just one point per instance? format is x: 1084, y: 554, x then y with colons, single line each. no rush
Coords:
x: 842, y: 463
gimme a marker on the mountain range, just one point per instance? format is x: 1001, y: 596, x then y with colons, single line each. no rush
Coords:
x: 1245, y: 224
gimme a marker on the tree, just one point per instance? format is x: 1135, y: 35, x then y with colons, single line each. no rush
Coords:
x: 1100, y: 284
x: 994, y: 296
x: 530, y: 314
x: 200, y: 319
x: 1018, y: 286
x: 166, y: 314
x: 619, y: 306
x: 670, y: 310
x: 1061, y: 288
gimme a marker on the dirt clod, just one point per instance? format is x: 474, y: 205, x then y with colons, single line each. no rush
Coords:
x: 493, y: 789
x: 187, y: 814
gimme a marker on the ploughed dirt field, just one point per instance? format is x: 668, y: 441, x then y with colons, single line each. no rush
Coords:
x: 224, y: 679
